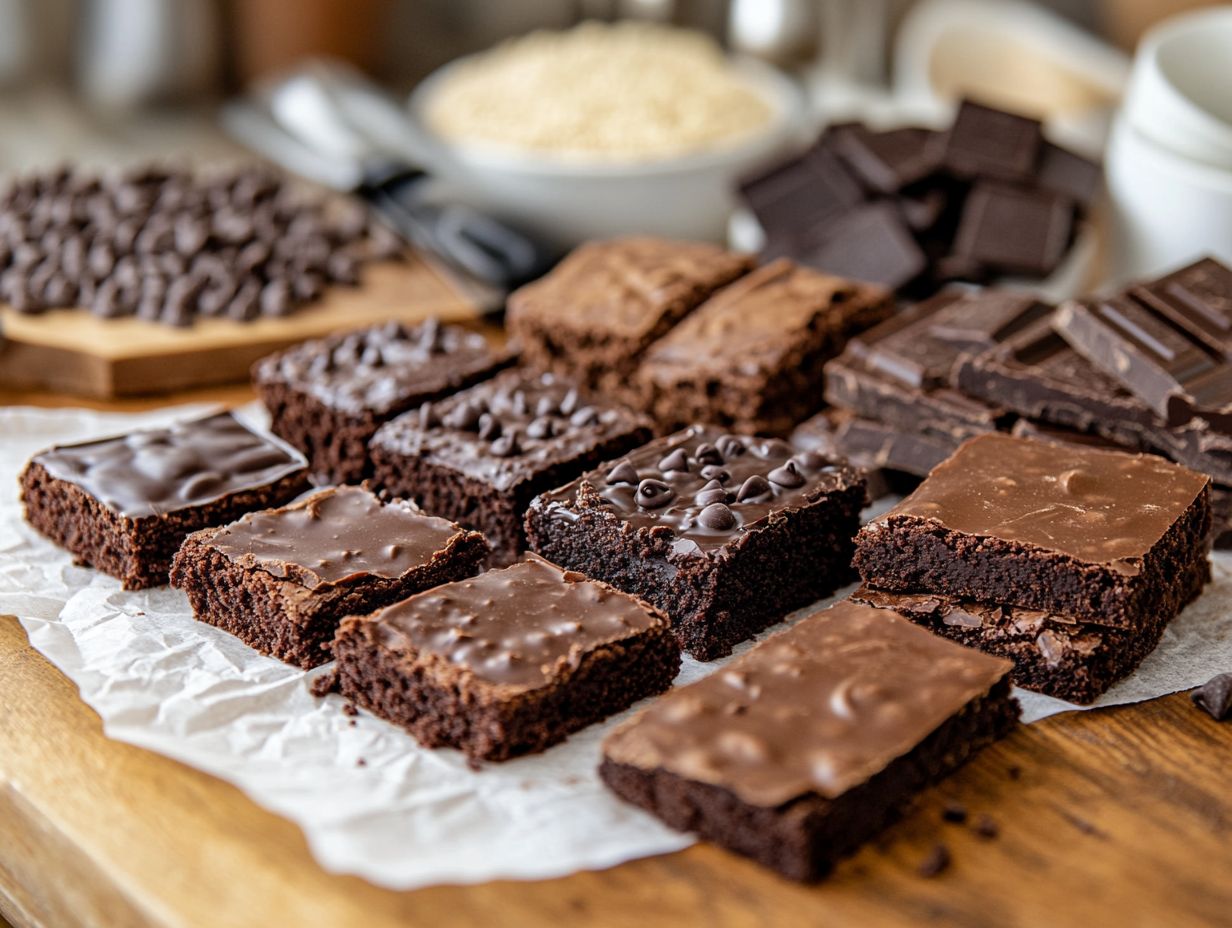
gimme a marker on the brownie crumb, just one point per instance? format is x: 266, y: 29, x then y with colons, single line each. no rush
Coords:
x: 936, y: 863
x: 1215, y: 697
x: 324, y: 684
x: 986, y: 827
x: 360, y: 762
x: 954, y: 812
x: 352, y: 723
x: 350, y: 709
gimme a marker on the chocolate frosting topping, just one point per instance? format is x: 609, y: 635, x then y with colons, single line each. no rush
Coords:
x: 524, y: 626
x: 1102, y: 507
x: 380, y: 368
x: 337, y: 536
x: 667, y: 485
x: 819, y: 708
x: 507, y: 429
x: 157, y: 471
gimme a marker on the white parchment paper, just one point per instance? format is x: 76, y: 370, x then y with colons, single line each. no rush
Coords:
x: 370, y: 800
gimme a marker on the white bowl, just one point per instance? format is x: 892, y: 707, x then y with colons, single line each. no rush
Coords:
x: 1167, y: 210
x: 1180, y: 91
x: 571, y: 201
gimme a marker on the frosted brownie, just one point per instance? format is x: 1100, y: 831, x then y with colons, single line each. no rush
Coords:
x: 328, y: 396
x: 1103, y: 537
x: 480, y: 456
x: 725, y: 533
x: 281, y: 580
x: 507, y: 663
x: 809, y: 745
x: 123, y: 505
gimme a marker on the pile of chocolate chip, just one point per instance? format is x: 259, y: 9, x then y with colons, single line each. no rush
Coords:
x: 170, y: 246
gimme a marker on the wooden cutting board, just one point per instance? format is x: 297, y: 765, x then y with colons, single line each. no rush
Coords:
x: 72, y: 351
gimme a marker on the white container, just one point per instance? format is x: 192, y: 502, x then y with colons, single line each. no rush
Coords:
x: 569, y: 202
x: 1167, y: 210
x: 1180, y: 91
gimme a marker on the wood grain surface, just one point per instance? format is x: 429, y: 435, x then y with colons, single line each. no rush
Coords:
x: 1113, y: 817
x: 73, y: 350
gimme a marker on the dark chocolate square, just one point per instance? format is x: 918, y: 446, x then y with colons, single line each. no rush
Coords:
x: 987, y: 142
x: 1014, y: 230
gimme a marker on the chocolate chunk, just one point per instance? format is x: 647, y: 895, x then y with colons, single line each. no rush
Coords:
x: 871, y: 243
x: 677, y: 461
x: 730, y: 446
x: 936, y: 863
x: 715, y: 472
x: 787, y: 476
x: 717, y: 517
x: 1070, y: 175
x: 802, y: 192
x: 753, y: 488
x: 653, y: 494
x: 1215, y: 697
x: 985, y: 142
x: 1014, y: 230
x: 708, y: 454
x: 624, y: 472
x: 889, y: 161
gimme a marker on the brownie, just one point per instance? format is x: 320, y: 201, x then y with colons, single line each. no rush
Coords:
x: 592, y: 317
x: 1052, y: 653
x: 1221, y: 496
x: 898, y: 373
x: 328, y: 396
x: 813, y: 742
x: 1036, y: 374
x: 123, y: 505
x: 750, y: 359
x: 507, y: 663
x: 281, y: 580
x: 480, y: 456
x: 1100, y: 536
x: 696, y: 522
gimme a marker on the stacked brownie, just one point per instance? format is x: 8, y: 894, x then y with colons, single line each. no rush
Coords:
x: 691, y: 333
x: 725, y: 533
x: 915, y: 208
x: 328, y: 396
x: 1068, y: 560
x: 507, y: 663
x: 123, y: 505
x: 480, y: 456
x: 282, y: 579
x: 809, y: 745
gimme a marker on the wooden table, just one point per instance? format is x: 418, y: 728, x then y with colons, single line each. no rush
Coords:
x: 1113, y: 817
